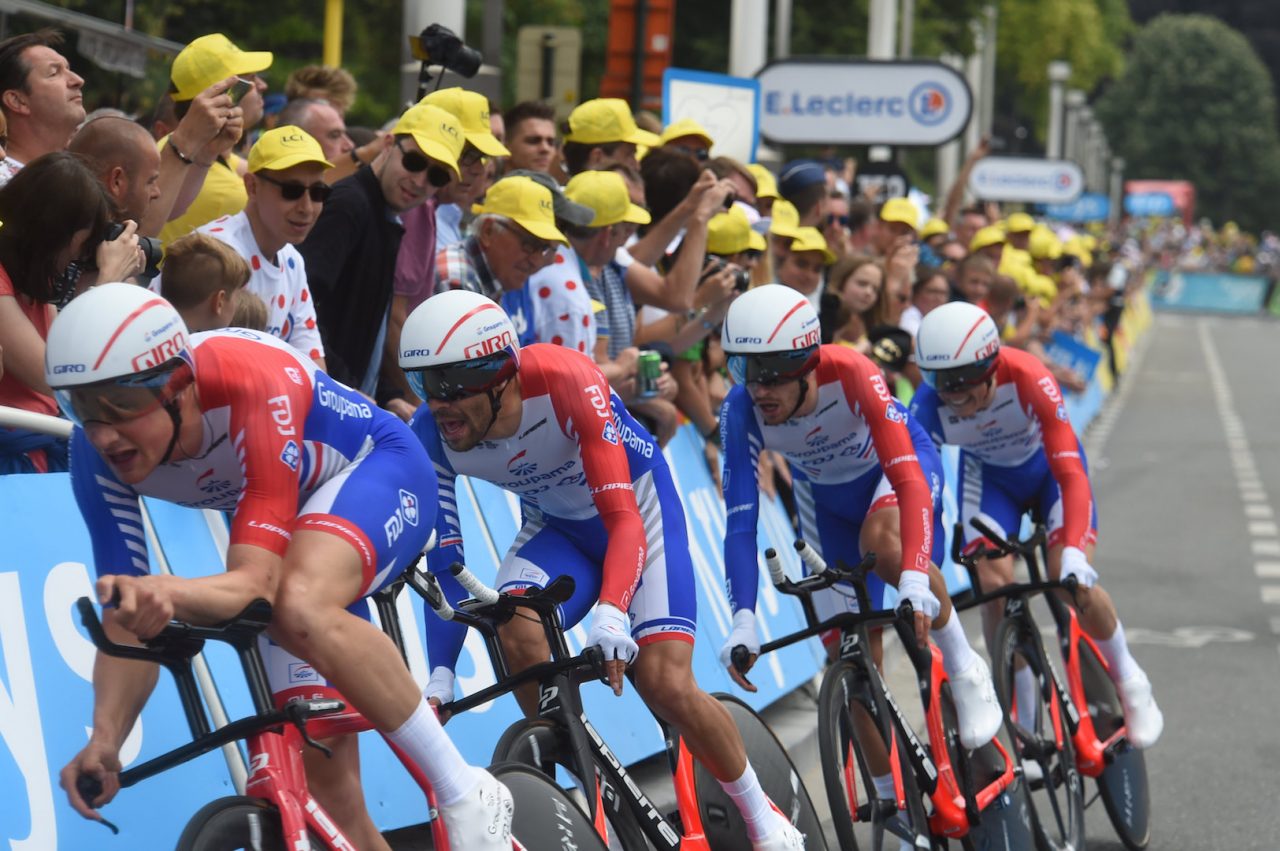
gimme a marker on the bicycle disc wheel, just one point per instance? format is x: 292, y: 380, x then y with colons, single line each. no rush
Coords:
x: 779, y: 779
x: 1051, y: 779
x: 546, y: 819
x: 238, y: 822
x: 1123, y: 784
x: 539, y: 744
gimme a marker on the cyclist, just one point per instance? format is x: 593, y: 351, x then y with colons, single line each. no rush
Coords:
x: 867, y: 479
x: 328, y: 495
x: 1005, y: 411
x: 599, y: 504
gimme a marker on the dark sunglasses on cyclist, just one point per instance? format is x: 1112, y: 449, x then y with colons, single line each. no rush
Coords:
x: 120, y: 400
x: 462, y: 380
x: 773, y: 367
x: 960, y: 378
x: 415, y: 162
x: 291, y: 190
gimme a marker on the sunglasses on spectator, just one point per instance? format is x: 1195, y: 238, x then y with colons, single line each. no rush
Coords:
x: 833, y: 219
x: 291, y: 190
x: 416, y: 162
x: 531, y: 245
x: 696, y: 153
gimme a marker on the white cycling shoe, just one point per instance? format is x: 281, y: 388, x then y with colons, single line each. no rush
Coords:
x: 481, y: 820
x: 978, y: 712
x: 1142, y: 717
x: 785, y: 837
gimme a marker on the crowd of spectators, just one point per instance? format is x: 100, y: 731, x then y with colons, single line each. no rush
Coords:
x: 327, y: 236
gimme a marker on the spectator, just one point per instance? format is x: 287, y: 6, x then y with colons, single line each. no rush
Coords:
x: 784, y: 226
x: 742, y: 181
x: 250, y: 312
x: 351, y: 251
x: 453, y: 201
x: 766, y: 188
x: 854, y: 285
x: 286, y: 190
x: 970, y: 221
x: 324, y: 123
x: 930, y: 290
x: 803, y: 266
x: 974, y: 277
x: 202, y: 64
x: 989, y: 242
x: 203, y: 280
x: 862, y: 226
x: 1017, y: 230
x: 41, y: 97
x: 896, y: 225
x: 127, y: 162
x: 603, y: 131
x: 55, y: 215
x: 322, y: 82
x: 688, y: 137
x: 837, y: 227
x: 531, y: 136
x: 804, y: 184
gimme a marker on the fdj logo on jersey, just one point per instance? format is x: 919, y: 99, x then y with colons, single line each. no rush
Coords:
x: 406, y: 512
x: 929, y: 104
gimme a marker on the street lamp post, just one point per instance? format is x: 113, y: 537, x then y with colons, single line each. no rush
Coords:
x: 1059, y: 73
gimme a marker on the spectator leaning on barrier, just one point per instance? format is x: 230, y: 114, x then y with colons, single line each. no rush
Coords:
x: 531, y: 136
x: 603, y: 131
x: 203, y: 280
x: 351, y: 252
x: 203, y: 63
x: 127, y: 162
x: 41, y: 98
x: 287, y: 192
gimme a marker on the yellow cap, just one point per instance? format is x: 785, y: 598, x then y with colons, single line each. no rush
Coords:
x: 284, y: 147
x: 605, y: 192
x: 901, y: 210
x: 686, y: 127
x: 211, y: 58
x: 730, y: 233
x: 472, y: 111
x: 1077, y: 247
x: 1090, y: 242
x: 766, y: 183
x: 1044, y: 244
x: 784, y: 219
x: 436, y: 131
x: 811, y: 239
x: 933, y: 227
x: 605, y: 120
x: 525, y: 202
x: 1043, y: 286
x: 1019, y: 223
x: 990, y: 235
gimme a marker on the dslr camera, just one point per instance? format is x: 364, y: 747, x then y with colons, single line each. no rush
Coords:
x: 741, y: 277
x: 439, y: 45
x: 150, y: 249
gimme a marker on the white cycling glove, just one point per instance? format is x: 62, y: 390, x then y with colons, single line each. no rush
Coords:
x: 440, y: 685
x: 1076, y: 563
x: 743, y: 633
x: 611, y: 632
x: 913, y: 585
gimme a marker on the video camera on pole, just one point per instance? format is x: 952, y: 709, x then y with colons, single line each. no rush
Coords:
x: 439, y: 45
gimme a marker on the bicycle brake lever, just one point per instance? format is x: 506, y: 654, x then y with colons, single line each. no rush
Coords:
x: 90, y: 788
x: 740, y: 656
x: 595, y: 656
x: 297, y: 713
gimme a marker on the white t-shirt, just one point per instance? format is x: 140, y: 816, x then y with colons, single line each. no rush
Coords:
x: 909, y: 321
x: 562, y: 310
x: 291, y: 314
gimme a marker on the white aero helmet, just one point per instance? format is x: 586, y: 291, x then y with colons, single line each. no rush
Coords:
x: 957, y: 346
x: 458, y: 344
x: 117, y: 352
x: 770, y: 335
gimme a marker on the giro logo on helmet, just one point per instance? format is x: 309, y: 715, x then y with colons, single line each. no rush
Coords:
x: 489, y: 345
x: 805, y: 340
x: 163, y: 351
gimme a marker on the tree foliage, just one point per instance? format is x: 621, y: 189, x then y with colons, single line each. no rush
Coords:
x: 1196, y: 103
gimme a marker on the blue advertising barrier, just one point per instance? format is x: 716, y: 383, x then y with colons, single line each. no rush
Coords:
x: 1208, y: 291
x: 1089, y: 207
x: 1149, y: 204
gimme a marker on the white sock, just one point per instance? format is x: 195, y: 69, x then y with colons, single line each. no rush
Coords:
x: 884, y: 787
x: 1024, y: 696
x: 425, y: 744
x: 752, y: 802
x: 1115, y: 650
x: 957, y: 653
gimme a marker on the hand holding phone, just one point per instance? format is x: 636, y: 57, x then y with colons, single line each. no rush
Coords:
x: 239, y: 89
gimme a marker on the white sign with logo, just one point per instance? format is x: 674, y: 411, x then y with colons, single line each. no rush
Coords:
x: 862, y: 102
x: 1026, y: 179
x: 726, y: 107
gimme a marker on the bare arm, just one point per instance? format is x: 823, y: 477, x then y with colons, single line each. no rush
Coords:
x: 22, y: 345
x: 955, y: 195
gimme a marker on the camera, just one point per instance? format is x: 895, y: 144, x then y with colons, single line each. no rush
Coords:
x: 741, y: 277
x: 150, y: 249
x: 439, y: 45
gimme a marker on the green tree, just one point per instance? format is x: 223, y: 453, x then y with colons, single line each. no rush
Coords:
x: 1196, y: 103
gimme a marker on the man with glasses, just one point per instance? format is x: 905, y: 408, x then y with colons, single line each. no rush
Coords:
x: 287, y: 192
x: 351, y: 251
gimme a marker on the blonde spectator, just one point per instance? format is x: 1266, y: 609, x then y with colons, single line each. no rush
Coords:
x: 251, y: 311
x: 322, y: 82
x: 203, y: 277
x: 857, y: 282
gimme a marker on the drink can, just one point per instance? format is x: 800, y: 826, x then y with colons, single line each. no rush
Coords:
x: 648, y: 371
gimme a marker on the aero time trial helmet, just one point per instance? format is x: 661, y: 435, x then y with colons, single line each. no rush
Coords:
x: 770, y: 335
x: 458, y: 344
x: 115, y: 353
x: 957, y: 346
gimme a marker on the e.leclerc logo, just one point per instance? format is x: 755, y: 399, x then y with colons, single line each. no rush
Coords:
x: 930, y: 104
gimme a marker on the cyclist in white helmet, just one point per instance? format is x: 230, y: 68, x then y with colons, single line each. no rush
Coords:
x: 599, y: 504
x: 867, y: 478
x: 241, y: 422
x: 1005, y: 411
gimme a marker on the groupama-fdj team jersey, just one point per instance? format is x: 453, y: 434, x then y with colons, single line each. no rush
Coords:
x: 277, y: 434
x: 858, y: 439
x: 1014, y: 452
x: 597, y: 500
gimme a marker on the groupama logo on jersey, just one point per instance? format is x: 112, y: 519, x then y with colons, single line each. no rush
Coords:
x: 815, y: 438
x: 519, y: 465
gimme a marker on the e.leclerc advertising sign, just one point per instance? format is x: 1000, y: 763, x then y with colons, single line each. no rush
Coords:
x: 862, y: 102
x: 1030, y: 180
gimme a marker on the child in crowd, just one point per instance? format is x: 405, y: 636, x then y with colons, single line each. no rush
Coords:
x: 202, y: 279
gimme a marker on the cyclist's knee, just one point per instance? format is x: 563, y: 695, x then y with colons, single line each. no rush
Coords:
x: 523, y: 641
